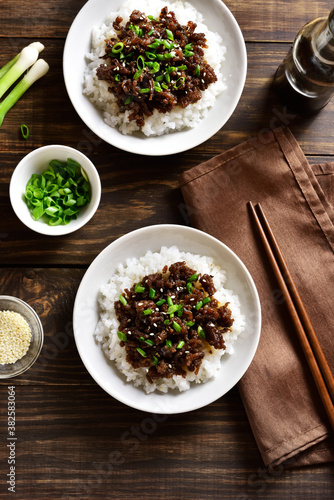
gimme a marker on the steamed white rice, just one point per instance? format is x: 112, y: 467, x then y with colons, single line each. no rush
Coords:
x: 159, y: 123
x: 132, y: 272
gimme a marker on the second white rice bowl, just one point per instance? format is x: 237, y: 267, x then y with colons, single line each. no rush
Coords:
x: 132, y: 271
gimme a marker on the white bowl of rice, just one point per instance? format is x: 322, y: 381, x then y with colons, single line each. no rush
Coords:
x: 163, y: 133
x: 125, y: 262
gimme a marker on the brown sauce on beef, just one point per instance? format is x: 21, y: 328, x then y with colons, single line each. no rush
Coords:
x: 169, y: 320
x: 155, y: 64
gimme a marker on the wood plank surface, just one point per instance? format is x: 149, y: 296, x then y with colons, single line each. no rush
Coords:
x: 74, y: 441
x: 273, y: 20
x: 133, y: 187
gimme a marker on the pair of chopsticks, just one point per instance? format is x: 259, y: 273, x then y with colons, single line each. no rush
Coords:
x: 315, y: 357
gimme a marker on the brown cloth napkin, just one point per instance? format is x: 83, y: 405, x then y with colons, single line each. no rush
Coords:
x: 278, y: 391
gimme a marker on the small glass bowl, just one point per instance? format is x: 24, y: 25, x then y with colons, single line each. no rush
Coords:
x: 14, y: 304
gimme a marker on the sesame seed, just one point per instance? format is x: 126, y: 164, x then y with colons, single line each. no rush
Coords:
x: 15, y: 337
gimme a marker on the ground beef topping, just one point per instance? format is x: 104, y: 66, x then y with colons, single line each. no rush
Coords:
x: 155, y: 64
x: 170, y: 320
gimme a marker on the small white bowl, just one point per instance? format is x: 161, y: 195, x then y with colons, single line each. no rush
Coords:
x: 37, y: 162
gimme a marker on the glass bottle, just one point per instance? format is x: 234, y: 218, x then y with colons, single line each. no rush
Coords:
x: 305, y: 79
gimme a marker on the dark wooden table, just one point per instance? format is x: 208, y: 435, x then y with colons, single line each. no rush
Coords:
x: 74, y: 440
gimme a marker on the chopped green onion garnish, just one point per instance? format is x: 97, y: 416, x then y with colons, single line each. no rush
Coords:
x: 201, y: 332
x: 189, y: 46
x: 128, y: 100
x: 140, y: 62
x: 190, y: 323
x: 169, y: 343
x: 155, y: 360
x: 155, y: 67
x: 179, y: 82
x: 206, y: 300
x: 169, y: 301
x: 193, y: 277
x: 183, y: 67
x: 172, y: 309
x: 180, y: 344
x: 117, y: 77
x: 160, y: 302
x: 24, y: 131
x: 151, y: 293
x: 198, y: 70
x: 189, y: 287
x: 137, y: 74
x: 169, y: 34
x: 149, y: 342
x: 166, y: 44
x: 123, y: 300
x: 166, y: 321
x: 146, y: 312
x: 150, y: 55
x: 155, y: 44
x: 188, y: 53
x: 176, y: 326
x: 141, y: 352
x: 122, y: 336
x: 139, y: 288
x: 145, y: 90
x: 199, y: 305
x: 118, y: 47
x: 151, y: 18
x: 150, y: 32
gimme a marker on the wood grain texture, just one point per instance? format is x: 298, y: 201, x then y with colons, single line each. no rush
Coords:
x: 134, y: 188
x: 273, y: 20
x: 74, y: 440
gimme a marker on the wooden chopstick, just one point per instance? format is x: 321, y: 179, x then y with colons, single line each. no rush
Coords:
x: 298, y: 314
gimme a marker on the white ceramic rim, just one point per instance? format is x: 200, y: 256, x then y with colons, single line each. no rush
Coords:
x: 93, y: 13
x: 84, y: 310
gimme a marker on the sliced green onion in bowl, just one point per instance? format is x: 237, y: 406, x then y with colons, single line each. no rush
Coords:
x: 52, y: 196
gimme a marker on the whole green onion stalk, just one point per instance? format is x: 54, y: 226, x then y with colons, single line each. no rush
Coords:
x: 27, y: 58
x: 38, y: 45
x: 39, y: 69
